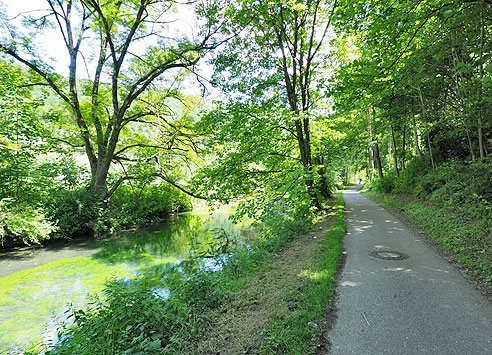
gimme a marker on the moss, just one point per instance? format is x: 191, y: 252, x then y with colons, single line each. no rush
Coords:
x: 28, y: 298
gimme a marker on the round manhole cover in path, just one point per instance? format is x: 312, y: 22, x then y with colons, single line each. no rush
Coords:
x: 389, y: 255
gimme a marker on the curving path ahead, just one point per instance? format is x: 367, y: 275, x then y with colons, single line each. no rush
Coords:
x: 418, y: 305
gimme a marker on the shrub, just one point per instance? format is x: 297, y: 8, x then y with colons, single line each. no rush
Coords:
x: 385, y: 184
x: 23, y: 224
x: 76, y: 211
x: 409, y: 177
x: 134, y: 319
x: 152, y: 203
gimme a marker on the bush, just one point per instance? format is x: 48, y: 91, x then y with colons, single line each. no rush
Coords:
x: 76, y: 212
x: 414, y: 171
x: 385, y: 184
x: 134, y: 319
x: 80, y: 213
x: 23, y: 224
x: 151, y: 204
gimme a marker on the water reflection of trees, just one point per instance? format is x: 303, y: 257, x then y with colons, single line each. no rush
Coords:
x: 179, y: 237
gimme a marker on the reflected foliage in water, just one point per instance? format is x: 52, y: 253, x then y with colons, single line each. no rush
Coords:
x: 29, y: 298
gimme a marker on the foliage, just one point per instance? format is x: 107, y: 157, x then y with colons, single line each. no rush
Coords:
x: 417, y: 75
x: 385, y: 184
x: 46, y: 180
x: 290, y: 332
x: 273, y: 69
x: 415, y: 81
x: 23, y: 223
x: 148, y: 204
x: 454, y: 185
x: 20, y: 131
x: 257, y: 164
x: 75, y: 211
x: 130, y: 68
x: 26, y: 172
x: 78, y: 212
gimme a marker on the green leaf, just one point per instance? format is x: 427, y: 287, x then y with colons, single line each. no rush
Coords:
x: 488, y: 68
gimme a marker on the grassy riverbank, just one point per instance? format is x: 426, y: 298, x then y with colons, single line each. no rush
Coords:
x: 278, y: 311
x: 288, y: 278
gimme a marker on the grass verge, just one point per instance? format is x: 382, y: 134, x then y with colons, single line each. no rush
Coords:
x: 278, y: 311
x: 463, y: 238
x: 294, y: 330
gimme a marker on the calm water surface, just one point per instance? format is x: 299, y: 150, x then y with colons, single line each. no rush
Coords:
x: 37, y: 285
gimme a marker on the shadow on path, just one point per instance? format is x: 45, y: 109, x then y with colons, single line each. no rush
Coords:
x: 396, y: 295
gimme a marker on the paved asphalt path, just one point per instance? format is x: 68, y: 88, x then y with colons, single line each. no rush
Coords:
x: 419, y: 305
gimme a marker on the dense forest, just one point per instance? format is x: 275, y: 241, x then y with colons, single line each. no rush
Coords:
x: 306, y: 95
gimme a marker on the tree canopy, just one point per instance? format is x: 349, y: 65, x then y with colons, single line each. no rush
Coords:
x: 123, y: 67
x: 311, y: 93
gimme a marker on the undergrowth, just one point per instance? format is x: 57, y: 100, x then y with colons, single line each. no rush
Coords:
x: 295, y: 331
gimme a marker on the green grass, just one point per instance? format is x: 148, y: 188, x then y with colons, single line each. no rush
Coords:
x: 466, y: 239
x: 289, y: 332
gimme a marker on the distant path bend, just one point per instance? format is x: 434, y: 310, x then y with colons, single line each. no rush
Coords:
x: 418, y: 305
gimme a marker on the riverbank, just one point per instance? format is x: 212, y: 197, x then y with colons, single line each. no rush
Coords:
x: 279, y: 311
x: 266, y: 298
x: 39, y: 284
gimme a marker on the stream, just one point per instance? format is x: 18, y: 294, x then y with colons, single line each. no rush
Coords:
x: 38, y: 285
